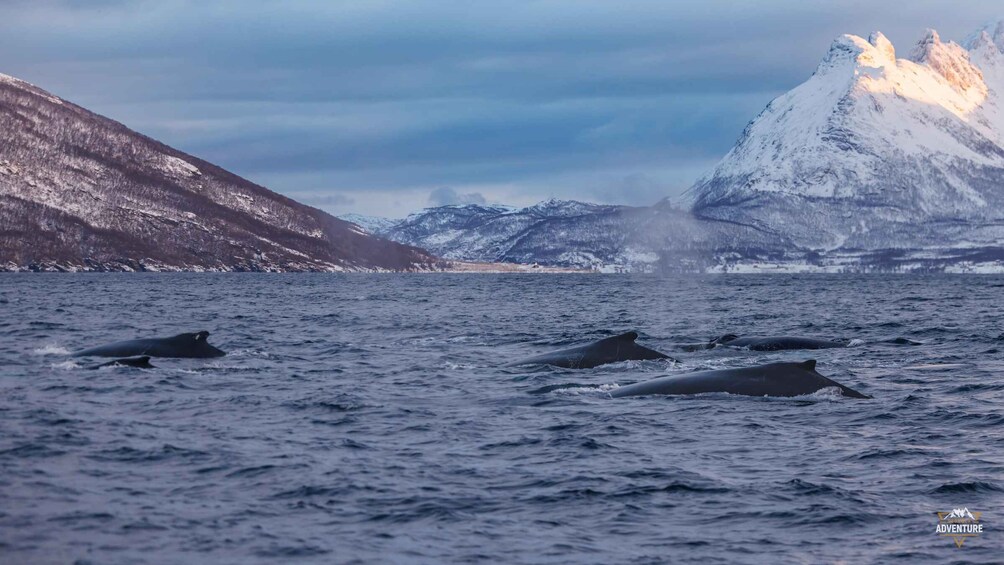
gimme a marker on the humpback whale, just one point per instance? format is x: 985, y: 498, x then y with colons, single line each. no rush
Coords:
x: 775, y: 343
x: 775, y: 379
x: 193, y: 345
x: 609, y: 350
x: 137, y: 362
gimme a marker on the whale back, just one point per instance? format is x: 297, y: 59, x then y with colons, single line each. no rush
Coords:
x: 607, y: 350
x: 193, y: 344
x: 776, y: 343
x: 776, y: 379
x: 186, y: 345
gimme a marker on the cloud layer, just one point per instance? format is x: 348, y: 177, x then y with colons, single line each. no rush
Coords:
x: 376, y: 106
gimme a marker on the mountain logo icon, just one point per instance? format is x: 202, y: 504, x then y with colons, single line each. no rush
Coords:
x: 959, y: 524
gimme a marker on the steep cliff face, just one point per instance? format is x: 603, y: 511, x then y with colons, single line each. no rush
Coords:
x: 874, y: 151
x: 80, y: 191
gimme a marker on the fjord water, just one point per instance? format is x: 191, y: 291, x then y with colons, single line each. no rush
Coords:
x: 364, y: 418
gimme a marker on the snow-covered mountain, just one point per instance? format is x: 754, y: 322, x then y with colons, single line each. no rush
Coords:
x: 578, y: 234
x: 478, y: 232
x: 80, y: 191
x: 875, y: 151
x: 879, y: 160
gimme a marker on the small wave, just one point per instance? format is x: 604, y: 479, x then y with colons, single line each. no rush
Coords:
x: 143, y: 525
x: 888, y: 453
x: 801, y: 487
x: 338, y: 404
x: 80, y: 516
x: 674, y: 487
x: 807, y: 488
x: 967, y: 488
x: 831, y: 394
x: 649, y: 364
x: 287, y: 552
x: 855, y: 342
x: 578, y: 442
x: 511, y: 443
x: 309, y: 491
x: 66, y: 365
x: 51, y: 349
x: 31, y: 450
x: 133, y: 455
x: 353, y: 444
x: 978, y: 387
x: 579, y: 390
x: 250, y: 353
x: 252, y: 471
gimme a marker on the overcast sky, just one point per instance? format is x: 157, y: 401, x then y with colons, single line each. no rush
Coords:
x: 385, y: 107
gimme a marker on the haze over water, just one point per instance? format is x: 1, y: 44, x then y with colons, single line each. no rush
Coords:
x: 365, y: 418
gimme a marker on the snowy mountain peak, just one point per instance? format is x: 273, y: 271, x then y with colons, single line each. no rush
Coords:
x: 930, y: 41
x: 880, y: 42
x: 984, y: 44
x: 870, y: 142
x: 992, y: 33
x: 853, y: 50
x: 951, y: 61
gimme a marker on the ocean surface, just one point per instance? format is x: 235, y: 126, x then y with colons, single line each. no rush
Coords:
x: 365, y: 418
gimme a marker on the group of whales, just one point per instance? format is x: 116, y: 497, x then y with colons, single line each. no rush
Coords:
x: 775, y: 379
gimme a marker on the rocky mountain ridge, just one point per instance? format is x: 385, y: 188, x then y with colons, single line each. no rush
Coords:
x: 79, y: 191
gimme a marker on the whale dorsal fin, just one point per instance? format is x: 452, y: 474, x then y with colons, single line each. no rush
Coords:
x: 809, y: 365
x: 629, y: 336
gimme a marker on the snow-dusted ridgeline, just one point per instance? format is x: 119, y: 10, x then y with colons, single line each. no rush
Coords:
x: 81, y: 192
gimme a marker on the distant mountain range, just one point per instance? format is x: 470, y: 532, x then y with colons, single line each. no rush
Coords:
x: 81, y: 192
x: 876, y: 162
x: 577, y: 234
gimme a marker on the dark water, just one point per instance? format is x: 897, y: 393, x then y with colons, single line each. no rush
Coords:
x: 364, y: 418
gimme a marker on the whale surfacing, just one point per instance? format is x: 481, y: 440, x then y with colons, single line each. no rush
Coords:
x: 188, y: 345
x: 609, y: 350
x: 774, y: 343
x: 775, y: 379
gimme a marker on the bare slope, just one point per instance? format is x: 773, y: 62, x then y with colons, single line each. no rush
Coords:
x: 80, y: 191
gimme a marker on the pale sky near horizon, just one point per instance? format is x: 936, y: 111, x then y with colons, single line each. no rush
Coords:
x: 386, y: 107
